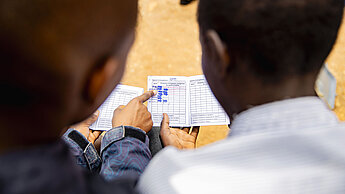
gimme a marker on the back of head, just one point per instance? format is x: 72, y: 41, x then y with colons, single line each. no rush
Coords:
x: 277, y: 38
x: 48, y: 50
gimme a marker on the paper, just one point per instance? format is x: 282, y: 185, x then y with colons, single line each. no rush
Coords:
x: 205, y: 108
x: 172, y: 98
x: 187, y: 100
x: 121, y: 95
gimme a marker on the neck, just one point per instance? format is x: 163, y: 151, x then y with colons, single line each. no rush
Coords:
x: 258, y: 93
x: 291, y: 88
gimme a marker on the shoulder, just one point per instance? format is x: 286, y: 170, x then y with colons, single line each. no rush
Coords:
x: 248, y: 159
x: 172, y: 169
x: 164, y: 165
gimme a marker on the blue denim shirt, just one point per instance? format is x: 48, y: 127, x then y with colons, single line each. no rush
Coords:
x: 119, y: 156
x: 50, y: 168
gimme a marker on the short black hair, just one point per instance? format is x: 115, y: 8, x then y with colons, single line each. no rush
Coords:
x: 278, y: 38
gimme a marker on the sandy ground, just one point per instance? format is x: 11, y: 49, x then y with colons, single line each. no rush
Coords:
x: 167, y: 43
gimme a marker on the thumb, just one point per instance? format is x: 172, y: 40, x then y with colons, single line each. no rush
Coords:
x: 92, y: 118
x: 165, y: 123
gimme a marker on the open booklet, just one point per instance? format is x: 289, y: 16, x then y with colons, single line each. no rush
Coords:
x: 187, y: 100
x: 121, y: 95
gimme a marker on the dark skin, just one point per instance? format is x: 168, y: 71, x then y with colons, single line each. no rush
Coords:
x: 75, y: 65
x: 83, y: 127
x: 237, y: 88
x: 63, y: 58
x: 78, y: 61
x: 134, y: 114
x: 181, y: 139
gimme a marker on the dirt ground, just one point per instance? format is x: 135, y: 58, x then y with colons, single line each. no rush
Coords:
x: 167, y: 43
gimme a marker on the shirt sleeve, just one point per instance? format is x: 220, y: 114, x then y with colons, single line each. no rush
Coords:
x: 124, y: 156
x: 83, y: 151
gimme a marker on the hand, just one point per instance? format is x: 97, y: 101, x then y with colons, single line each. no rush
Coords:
x: 178, y: 138
x: 98, y: 142
x: 83, y: 127
x: 135, y: 114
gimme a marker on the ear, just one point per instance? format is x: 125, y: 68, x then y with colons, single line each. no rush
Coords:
x: 106, y: 73
x: 219, y: 51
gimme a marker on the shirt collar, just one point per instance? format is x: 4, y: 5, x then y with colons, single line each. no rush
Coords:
x: 283, y: 117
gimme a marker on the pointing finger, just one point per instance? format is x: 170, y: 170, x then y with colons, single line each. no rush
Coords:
x: 147, y: 95
x: 121, y: 107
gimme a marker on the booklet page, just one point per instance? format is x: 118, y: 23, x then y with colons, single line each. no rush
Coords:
x: 204, y: 107
x: 121, y: 95
x: 172, y: 98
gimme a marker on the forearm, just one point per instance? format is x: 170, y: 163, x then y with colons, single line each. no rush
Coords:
x: 124, y: 156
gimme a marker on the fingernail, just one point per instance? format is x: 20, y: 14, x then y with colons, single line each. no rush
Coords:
x: 96, y: 113
x: 155, y: 92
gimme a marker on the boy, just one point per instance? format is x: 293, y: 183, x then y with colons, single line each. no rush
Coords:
x: 59, y: 61
x: 261, y: 59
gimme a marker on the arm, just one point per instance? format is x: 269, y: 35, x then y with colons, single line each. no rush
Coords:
x: 82, y: 150
x: 80, y: 140
x: 131, y: 155
x: 125, y: 150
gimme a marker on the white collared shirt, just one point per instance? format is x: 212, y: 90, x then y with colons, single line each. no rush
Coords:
x: 290, y: 146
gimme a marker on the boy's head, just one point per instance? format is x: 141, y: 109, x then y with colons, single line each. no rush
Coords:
x: 255, y: 52
x: 59, y: 61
